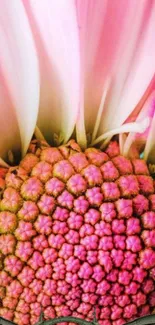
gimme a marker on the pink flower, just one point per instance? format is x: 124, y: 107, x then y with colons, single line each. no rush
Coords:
x: 65, y: 54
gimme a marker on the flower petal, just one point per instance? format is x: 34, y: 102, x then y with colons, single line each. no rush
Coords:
x: 9, y: 130
x: 18, y: 63
x: 135, y: 65
x: 138, y: 140
x: 117, y: 47
x: 90, y: 15
x: 149, y: 151
x: 128, y: 127
x: 55, y: 30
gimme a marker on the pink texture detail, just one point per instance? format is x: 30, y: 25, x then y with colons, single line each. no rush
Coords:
x: 103, y: 228
x: 85, y: 230
x: 72, y: 264
x: 32, y: 189
x: 36, y: 260
x: 128, y: 185
x: 63, y: 170
x: 90, y: 242
x: 40, y: 242
x: 77, y: 184
x: 122, y: 300
x: 139, y: 274
x: 75, y: 221
x: 103, y: 287
x: 46, y: 204
x: 7, y: 221
x: 117, y: 256
x: 109, y: 171
x: 105, y: 260
x: 79, y: 161
x: 89, y: 286
x: 148, y: 220
x: 65, y: 199
x: 93, y: 175
x: 133, y: 243
x: 14, y: 289
x: 50, y: 255
x: 42, y: 170
x: 36, y: 286
x: 98, y: 273
x: 133, y: 226
x: 132, y: 288
x: 81, y: 205
x: 85, y: 271
x: 24, y: 231
x: 130, y: 311
x: 108, y: 212
x: 44, y: 272
x: 92, y: 216
x: 106, y: 243
x: 13, y: 265
x: 124, y: 277
x: 118, y: 226
x: 124, y: 208
x: 72, y: 237
x: 66, y: 251
x: 7, y: 244
x: 119, y: 242
x: 148, y: 237
x: 110, y: 191
x: 60, y: 214
x: 50, y: 287
x: 56, y: 241
x: 60, y: 227
x: 123, y: 165
x: 116, y: 312
x: 145, y: 184
x: 92, y: 257
x: 24, y: 250
x: 147, y: 258
x: 26, y: 276
x: 94, y: 196
x: 140, y: 204
x: 5, y: 279
x: 54, y: 187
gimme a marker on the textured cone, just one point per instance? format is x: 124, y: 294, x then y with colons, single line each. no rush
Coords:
x: 77, y: 230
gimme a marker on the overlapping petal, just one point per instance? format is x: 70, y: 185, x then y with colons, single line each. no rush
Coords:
x: 19, y: 78
x: 55, y: 29
x: 119, y: 59
x: 138, y: 140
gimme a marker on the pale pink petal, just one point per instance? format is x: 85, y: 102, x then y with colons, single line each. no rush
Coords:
x: 19, y: 67
x: 149, y: 151
x: 55, y: 30
x: 9, y: 130
x: 128, y: 127
x: 138, y: 140
x: 135, y: 67
x: 116, y: 46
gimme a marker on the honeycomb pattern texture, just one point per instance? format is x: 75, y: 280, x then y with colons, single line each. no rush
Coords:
x: 77, y: 229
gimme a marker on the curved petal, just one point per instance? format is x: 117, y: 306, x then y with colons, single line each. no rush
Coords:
x: 9, y: 130
x: 55, y: 29
x: 90, y: 16
x: 128, y: 127
x: 117, y: 47
x: 19, y: 66
x: 138, y: 140
x: 135, y: 67
x: 149, y: 150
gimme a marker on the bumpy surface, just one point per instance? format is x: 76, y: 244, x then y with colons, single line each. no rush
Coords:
x: 77, y: 230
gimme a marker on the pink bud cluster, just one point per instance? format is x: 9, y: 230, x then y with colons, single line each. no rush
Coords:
x: 77, y: 230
